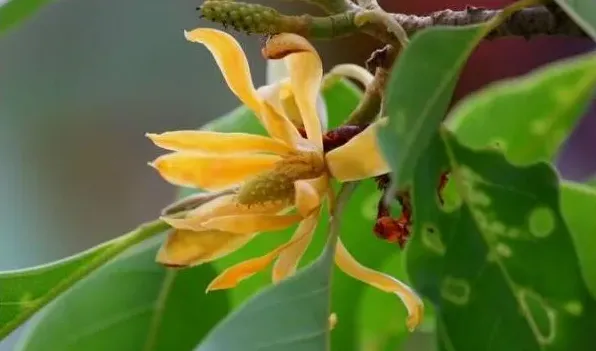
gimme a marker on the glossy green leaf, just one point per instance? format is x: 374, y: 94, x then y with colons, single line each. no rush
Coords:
x: 419, y: 91
x: 583, y: 12
x: 578, y: 205
x: 292, y: 315
x: 14, y: 11
x: 531, y: 116
x: 499, y: 264
x: 132, y: 303
x: 24, y: 292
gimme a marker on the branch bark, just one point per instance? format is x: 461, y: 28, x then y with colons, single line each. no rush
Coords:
x: 258, y: 19
x: 527, y: 23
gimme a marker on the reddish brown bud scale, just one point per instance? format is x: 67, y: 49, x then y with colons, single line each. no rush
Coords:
x: 393, y: 230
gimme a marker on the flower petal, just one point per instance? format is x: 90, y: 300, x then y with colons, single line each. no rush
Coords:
x: 217, y: 143
x: 186, y: 248
x: 288, y: 259
x: 233, y: 275
x: 223, y: 206
x: 231, y: 61
x: 281, y: 97
x: 359, y: 158
x: 353, y: 71
x: 277, y: 124
x: 306, y: 71
x: 251, y: 223
x: 381, y: 281
x: 309, y: 193
x: 195, y: 200
x: 211, y: 172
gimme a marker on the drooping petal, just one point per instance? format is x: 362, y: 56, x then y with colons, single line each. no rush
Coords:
x: 186, y: 248
x: 217, y: 143
x: 288, y: 258
x: 353, y: 268
x: 309, y: 194
x: 250, y: 223
x: 235, y: 274
x: 359, y: 158
x: 231, y: 61
x: 211, y: 172
x: 304, y: 65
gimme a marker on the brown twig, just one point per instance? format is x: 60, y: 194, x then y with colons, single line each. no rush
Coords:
x: 380, y: 62
x: 527, y: 23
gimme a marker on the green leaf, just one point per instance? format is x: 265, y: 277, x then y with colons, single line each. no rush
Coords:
x: 419, y: 91
x: 591, y: 182
x: 24, y: 292
x: 528, y: 118
x: 292, y: 315
x: 14, y: 11
x: 132, y: 303
x: 578, y: 205
x: 500, y: 264
x: 583, y: 12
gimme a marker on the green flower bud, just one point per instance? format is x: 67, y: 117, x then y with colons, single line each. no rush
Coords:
x: 249, y: 18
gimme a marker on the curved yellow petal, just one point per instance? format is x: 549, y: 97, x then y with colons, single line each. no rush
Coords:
x: 381, y: 281
x: 306, y: 71
x: 309, y: 194
x: 231, y: 61
x: 251, y: 223
x: 288, y: 258
x: 235, y: 274
x: 217, y: 143
x: 359, y: 158
x: 353, y: 71
x: 271, y: 94
x: 186, y: 248
x: 211, y: 172
x: 281, y: 97
x: 276, y: 123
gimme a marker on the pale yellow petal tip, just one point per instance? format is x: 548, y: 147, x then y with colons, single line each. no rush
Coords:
x: 332, y: 320
x: 416, y: 314
x: 190, y: 35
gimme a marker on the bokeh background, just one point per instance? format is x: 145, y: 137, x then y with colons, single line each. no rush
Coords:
x: 81, y: 81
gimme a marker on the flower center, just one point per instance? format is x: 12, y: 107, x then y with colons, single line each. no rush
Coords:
x: 278, y: 184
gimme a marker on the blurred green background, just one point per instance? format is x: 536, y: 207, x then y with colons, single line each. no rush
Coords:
x: 82, y: 81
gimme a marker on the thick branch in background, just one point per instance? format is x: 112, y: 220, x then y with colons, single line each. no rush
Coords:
x: 253, y: 18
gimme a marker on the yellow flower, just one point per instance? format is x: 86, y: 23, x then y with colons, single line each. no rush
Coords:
x: 266, y: 183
